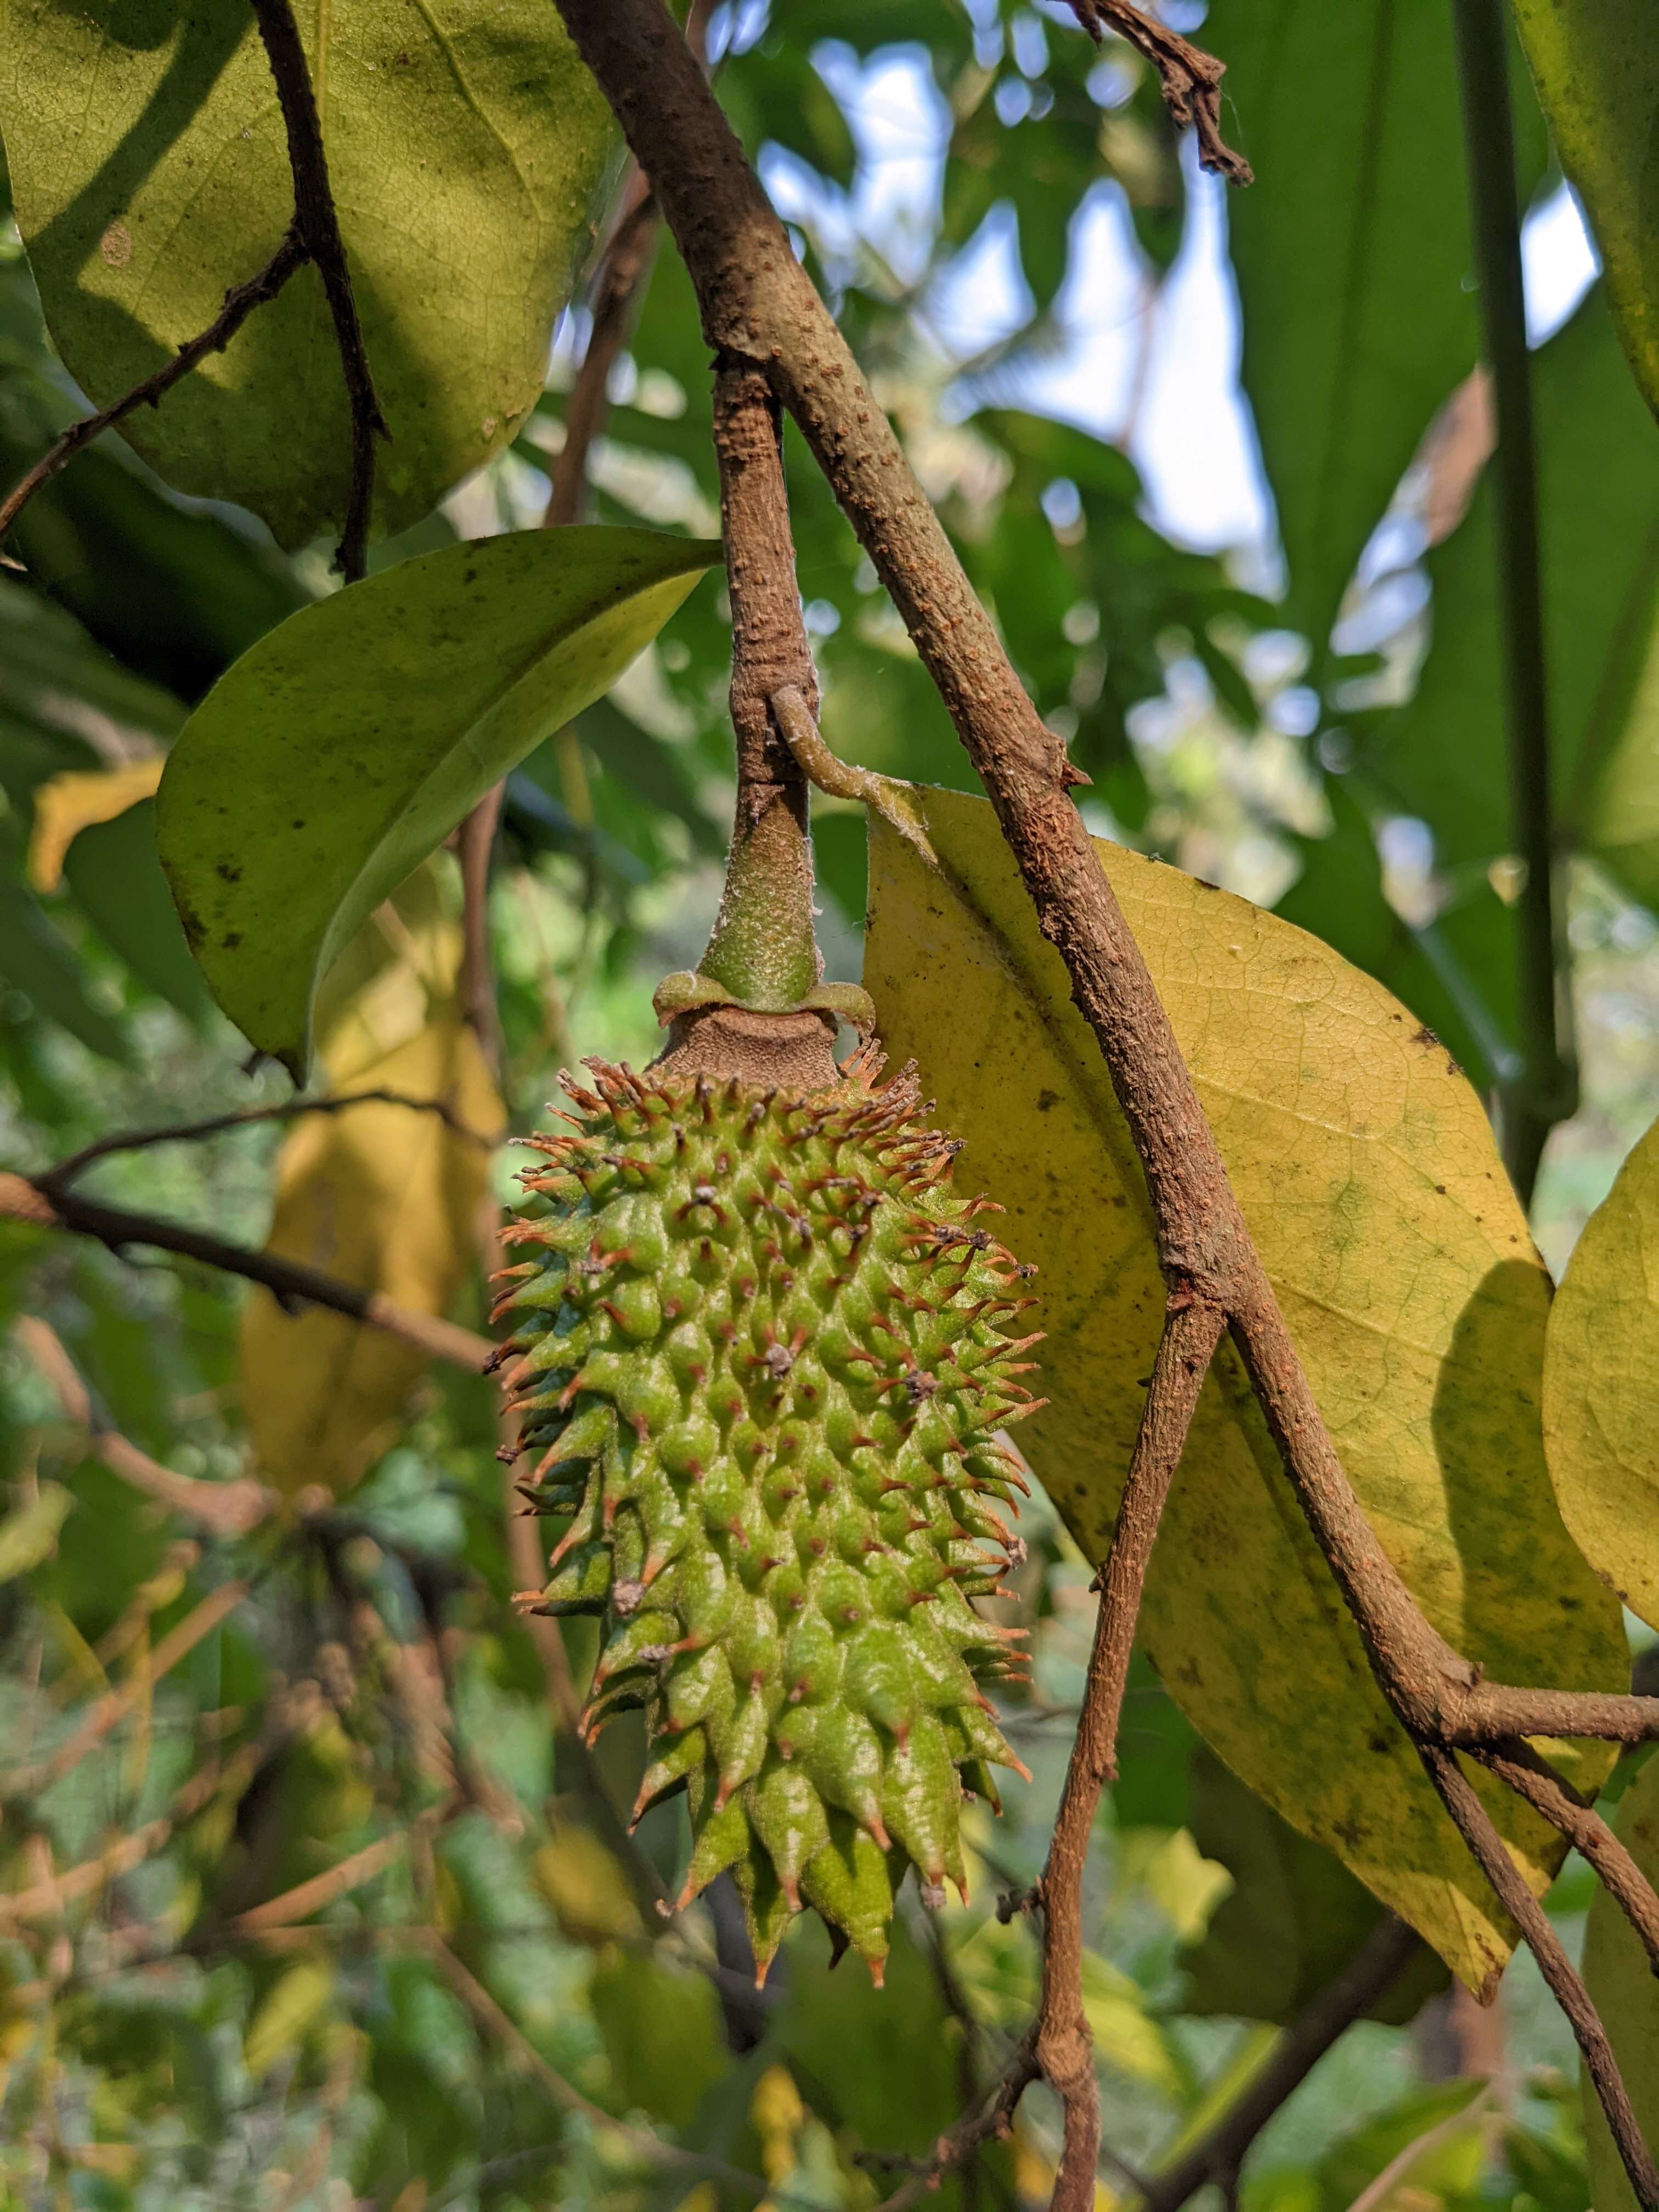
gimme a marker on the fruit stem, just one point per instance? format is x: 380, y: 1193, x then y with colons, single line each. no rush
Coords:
x: 762, y: 948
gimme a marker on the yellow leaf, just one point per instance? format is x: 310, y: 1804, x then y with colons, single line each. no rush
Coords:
x: 1185, y: 1885
x: 29, y: 1534
x: 286, y: 2011
x: 78, y: 799
x: 586, y: 1888
x: 385, y: 1197
x: 1367, y: 1172
x: 776, y: 2114
x: 1601, y: 1386
x: 1626, y: 1995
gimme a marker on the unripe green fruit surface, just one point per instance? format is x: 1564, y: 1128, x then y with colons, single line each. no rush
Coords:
x: 761, y: 1353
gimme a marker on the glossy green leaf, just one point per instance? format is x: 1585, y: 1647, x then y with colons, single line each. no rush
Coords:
x: 1622, y: 1982
x: 348, y: 743
x: 1443, y: 756
x: 1368, y: 1174
x: 469, y: 152
x: 1596, y: 66
x: 1601, y: 1386
x: 1351, y: 250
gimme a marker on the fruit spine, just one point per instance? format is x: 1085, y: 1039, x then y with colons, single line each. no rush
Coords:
x: 760, y: 1358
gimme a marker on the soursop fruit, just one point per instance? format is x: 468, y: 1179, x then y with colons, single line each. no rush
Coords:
x: 761, y: 1353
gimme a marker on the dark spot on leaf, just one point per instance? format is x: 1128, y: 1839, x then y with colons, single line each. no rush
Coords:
x: 231, y: 939
x: 1045, y: 1099
x: 227, y: 873
x: 1424, y: 1035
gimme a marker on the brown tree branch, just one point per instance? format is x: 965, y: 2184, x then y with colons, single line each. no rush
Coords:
x: 226, y: 1509
x: 1474, y: 1824
x: 63, y: 1172
x: 318, y: 226
x: 239, y: 302
x: 1532, y: 1777
x: 1065, y: 2049
x: 1190, y: 78
x: 615, y: 297
x: 758, y: 305
x: 290, y: 1281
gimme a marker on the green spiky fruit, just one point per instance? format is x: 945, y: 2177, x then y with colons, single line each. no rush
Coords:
x: 760, y: 1353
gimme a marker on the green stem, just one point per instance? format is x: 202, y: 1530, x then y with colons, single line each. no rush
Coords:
x: 762, y: 949
x: 1546, y: 1090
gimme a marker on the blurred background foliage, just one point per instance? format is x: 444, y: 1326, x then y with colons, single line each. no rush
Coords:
x: 302, y: 1902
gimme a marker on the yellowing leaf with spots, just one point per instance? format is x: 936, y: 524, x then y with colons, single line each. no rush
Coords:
x: 1601, y: 1386
x: 1368, y: 1175
x: 384, y: 1196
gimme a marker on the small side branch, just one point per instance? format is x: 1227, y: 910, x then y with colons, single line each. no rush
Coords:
x: 1475, y: 1824
x: 239, y: 302
x: 957, y: 2146
x: 615, y: 297
x: 1064, y: 2046
x: 1521, y: 1768
x: 182, y: 1132
x: 1190, y: 78
x: 224, y: 1509
x: 291, y: 1283
x: 318, y: 226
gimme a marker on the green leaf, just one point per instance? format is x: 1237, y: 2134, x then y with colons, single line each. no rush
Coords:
x: 118, y: 886
x: 662, y: 2027
x: 1351, y: 250
x: 1293, y: 1918
x: 470, y: 155
x: 346, y: 746
x: 1443, y: 756
x: 1367, y: 1172
x: 1601, y: 1386
x: 1596, y: 66
x: 37, y: 960
x: 1622, y: 1982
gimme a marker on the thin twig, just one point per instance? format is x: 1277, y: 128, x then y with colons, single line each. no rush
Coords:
x: 239, y: 302
x: 758, y: 304
x: 339, y: 1881
x: 615, y: 296
x: 113, y: 1706
x: 1474, y: 1824
x: 500, y: 2025
x: 994, y: 2121
x: 1065, y: 2049
x: 1546, y: 1090
x: 1378, y: 2192
x: 59, y: 1177
x: 1364, y: 1978
x: 290, y: 1281
x: 227, y: 1509
x: 319, y: 226
x: 1190, y: 79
